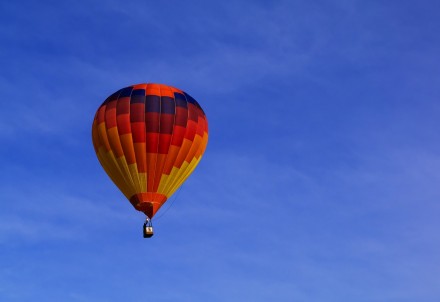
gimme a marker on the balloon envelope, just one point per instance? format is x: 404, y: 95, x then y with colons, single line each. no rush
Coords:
x: 149, y: 138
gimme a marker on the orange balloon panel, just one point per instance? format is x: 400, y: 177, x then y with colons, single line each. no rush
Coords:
x: 149, y: 138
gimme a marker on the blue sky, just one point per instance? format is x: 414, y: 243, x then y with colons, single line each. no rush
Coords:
x: 319, y: 183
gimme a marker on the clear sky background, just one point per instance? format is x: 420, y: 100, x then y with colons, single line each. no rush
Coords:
x: 321, y: 177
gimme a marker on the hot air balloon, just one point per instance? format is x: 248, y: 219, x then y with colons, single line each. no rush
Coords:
x: 149, y: 138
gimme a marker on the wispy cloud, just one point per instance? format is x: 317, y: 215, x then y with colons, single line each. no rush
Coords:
x: 320, y: 177
x: 51, y: 215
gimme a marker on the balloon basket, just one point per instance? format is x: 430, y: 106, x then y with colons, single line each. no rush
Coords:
x: 148, y: 230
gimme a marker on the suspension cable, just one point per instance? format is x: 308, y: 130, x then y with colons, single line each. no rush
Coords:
x: 171, y: 203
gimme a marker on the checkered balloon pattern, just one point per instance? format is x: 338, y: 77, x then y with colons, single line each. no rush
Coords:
x: 149, y: 138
